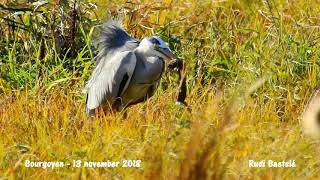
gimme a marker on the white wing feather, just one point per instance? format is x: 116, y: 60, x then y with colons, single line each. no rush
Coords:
x: 107, y: 76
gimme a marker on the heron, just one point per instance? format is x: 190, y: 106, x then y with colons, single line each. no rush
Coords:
x: 127, y: 72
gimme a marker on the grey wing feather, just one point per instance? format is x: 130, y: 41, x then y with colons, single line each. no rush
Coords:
x: 105, y: 84
x: 114, y: 39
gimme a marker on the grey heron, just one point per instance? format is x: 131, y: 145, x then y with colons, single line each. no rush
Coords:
x: 127, y: 72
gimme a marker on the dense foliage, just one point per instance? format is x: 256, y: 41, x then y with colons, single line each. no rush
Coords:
x: 251, y: 67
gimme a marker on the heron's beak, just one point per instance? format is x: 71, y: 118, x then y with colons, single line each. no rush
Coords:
x: 167, y: 52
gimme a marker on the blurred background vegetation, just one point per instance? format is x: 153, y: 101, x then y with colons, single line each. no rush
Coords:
x: 48, y: 42
x: 47, y: 47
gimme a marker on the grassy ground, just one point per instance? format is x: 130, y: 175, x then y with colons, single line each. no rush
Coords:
x: 252, y: 67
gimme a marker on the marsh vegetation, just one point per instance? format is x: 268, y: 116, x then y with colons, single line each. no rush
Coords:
x: 251, y: 68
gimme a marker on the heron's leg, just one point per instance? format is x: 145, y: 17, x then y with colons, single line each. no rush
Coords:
x: 117, y: 104
x: 119, y: 107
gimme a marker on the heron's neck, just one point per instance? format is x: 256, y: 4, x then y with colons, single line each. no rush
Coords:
x: 147, y: 61
x: 141, y: 54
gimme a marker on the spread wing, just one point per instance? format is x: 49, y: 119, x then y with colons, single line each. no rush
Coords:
x: 114, y: 39
x: 110, y: 79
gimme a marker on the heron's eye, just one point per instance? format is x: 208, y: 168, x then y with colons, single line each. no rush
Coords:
x: 155, y: 41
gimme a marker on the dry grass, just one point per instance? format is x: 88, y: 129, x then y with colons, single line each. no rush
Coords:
x: 55, y: 128
x: 251, y: 68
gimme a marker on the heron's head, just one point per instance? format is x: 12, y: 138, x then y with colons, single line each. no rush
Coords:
x: 155, y: 46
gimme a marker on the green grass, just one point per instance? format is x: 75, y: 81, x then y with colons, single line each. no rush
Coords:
x: 251, y: 68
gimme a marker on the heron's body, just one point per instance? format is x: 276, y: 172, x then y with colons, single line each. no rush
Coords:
x: 145, y: 80
x: 127, y: 72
